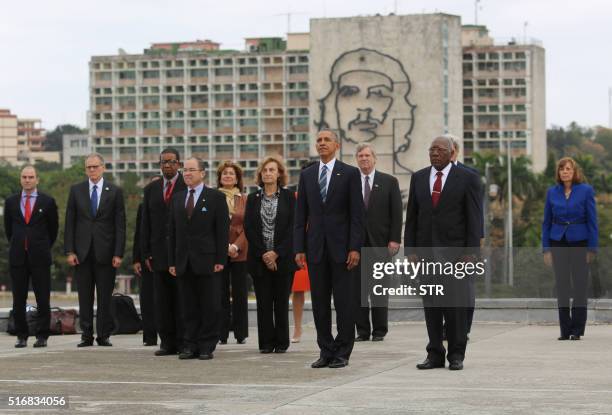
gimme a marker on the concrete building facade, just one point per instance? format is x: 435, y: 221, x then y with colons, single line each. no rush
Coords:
x: 75, y: 147
x: 31, y: 137
x: 210, y: 103
x: 392, y: 81
x: 8, y: 137
x: 504, y: 89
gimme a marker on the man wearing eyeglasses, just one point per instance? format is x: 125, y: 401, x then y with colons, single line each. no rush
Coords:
x: 153, y: 240
x: 94, y: 242
x: 198, y: 236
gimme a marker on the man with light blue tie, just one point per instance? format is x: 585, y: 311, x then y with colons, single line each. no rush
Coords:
x: 94, y: 242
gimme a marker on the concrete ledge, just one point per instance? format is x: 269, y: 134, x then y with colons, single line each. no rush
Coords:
x: 525, y: 310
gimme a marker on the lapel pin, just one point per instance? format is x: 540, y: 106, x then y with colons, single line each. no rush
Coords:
x: 40, y: 210
x: 375, y: 185
x: 337, y: 174
x: 106, y: 188
x: 204, y: 209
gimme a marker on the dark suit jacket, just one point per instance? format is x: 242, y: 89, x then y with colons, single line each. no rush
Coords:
x: 154, y: 223
x: 454, y: 222
x: 136, y: 251
x: 106, y: 231
x: 41, y: 232
x: 384, y: 212
x: 337, y: 224
x: 201, y: 240
x: 283, y: 231
x: 480, y: 192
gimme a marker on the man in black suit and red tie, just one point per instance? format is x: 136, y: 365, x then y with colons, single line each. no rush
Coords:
x: 383, y: 234
x: 154, y: 247
x: 198, y: 236
x: 329, y: 233
x: 443, y: 211
x: 30, y: 225
x: 94, y: 242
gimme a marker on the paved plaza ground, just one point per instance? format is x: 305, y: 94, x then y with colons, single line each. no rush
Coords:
x: 509, y: 369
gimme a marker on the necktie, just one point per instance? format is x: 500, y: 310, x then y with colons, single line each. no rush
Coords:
x: 323, y: 183
x: 437, y: 189
x: 94, y: 201
x: 27, y: 209
x: 366, y: 191
x: 168, y: 191
x: 190, y: 204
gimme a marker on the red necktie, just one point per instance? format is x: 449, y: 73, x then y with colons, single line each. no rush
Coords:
x: 437, y: 189
x: 168, y: 191
x: 27, y: 209
x: 27, y: 215
x: 190, y: 203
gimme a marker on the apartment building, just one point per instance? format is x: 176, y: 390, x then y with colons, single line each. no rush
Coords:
x: 504, y: 104
x: 8, y: 137
x: 204, y: 101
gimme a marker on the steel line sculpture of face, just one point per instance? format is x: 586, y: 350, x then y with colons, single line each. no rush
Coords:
x: 368, y: 100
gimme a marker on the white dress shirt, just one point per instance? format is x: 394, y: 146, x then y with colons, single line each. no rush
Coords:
x: 330, y: 167
x: 371, y: 180
x: 433, y: 177
x: 99, y: 187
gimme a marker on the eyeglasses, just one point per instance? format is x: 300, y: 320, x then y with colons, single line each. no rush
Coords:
x: 191, y: 170
x: 171, y: 162
x: 93, y: 166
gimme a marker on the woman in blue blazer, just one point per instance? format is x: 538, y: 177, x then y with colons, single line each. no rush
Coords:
x: 569, y: 240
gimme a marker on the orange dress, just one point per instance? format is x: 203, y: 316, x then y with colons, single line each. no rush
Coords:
x: 301, y: 282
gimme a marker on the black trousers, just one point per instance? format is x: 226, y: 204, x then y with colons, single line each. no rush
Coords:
x: 168, y: 316
x: 41, y: 284
x: 272, y: 290
x: 201, y: 305
x: 147, y: 306
x: 456, y: 331
x: 331, y: 279
x: 235, y: 313
x: 378, y: 307
x: 571, y: 275
x: 93, y: 277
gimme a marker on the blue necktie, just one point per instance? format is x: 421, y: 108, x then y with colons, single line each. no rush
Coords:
x: 323, y: 183
x: 94, y: 201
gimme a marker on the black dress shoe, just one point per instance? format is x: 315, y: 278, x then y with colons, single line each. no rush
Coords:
x: 165, y: 352
x: 187, y: 354
x: 241, y: 341
x: 338, y: 362
x: 206, y: 356
x: 429, y: 364
x: 40, y: 343
x: 279, y: 350
x: 455, y: 365
x: 85, y: 343
x: 21, y: 342
x: 574, y: 337
x: 361, y: 339
x: 563, y: 338
x: 377, y: 338
x: 103, y: 342
x: 222, y: 341
x: 266, y: 350
x: 321, y: 362
x: 151, y: 343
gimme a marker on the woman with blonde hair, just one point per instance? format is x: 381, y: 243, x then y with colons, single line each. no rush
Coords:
x: 569, y: 240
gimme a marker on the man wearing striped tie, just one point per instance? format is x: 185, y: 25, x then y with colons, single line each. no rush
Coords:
x: 328, y: 235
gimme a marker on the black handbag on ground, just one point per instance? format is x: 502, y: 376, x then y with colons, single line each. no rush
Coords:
x: 125, y: 316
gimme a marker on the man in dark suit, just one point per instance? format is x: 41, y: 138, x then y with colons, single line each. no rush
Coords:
x: 443, y: 212
x: 30, y: 225
x: 329, y: 232
x: 383, y: 232
x: 198, y: 236
x: 154, y: 246
x: 94, y: 242
x: 456, y: 162
x: 147, y: 299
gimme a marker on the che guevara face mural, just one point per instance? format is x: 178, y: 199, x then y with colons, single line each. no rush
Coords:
x: 368, y: 101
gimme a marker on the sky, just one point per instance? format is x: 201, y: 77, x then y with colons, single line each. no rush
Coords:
x: 45, y: 46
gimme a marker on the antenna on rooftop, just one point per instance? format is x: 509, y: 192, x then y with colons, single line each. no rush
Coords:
x: 476, y: 8
x: 289, y: 14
